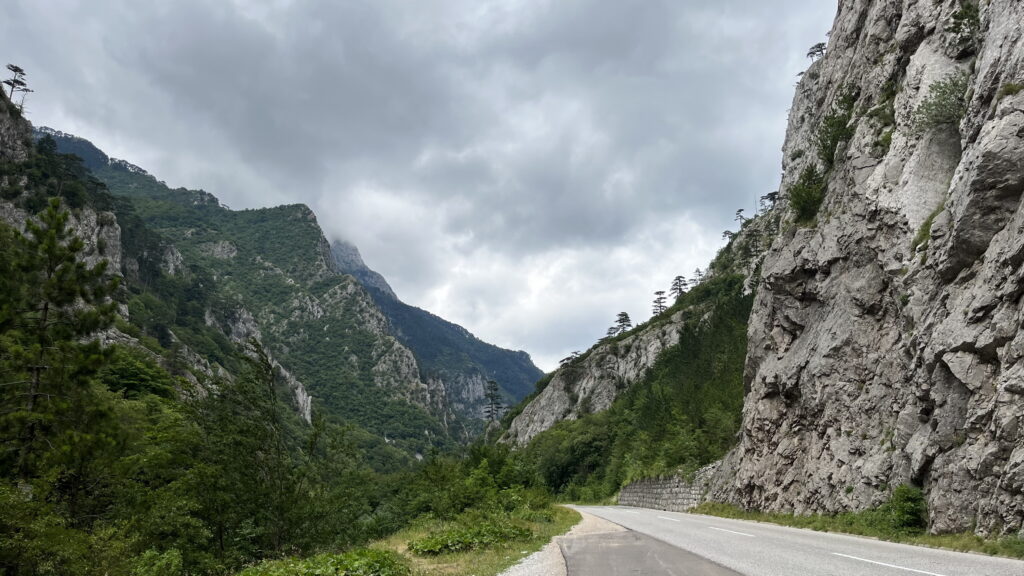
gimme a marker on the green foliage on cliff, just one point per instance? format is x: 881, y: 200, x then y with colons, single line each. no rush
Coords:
x: 685, y: 413
x: 807, y: 194
x: 835, y: 128
x: 272, y: 262
x: 944, y: 105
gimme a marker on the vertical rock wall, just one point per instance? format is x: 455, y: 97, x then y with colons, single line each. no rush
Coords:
x: 885, y: 344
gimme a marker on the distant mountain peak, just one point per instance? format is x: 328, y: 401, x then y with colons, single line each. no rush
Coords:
x: 349, y: 261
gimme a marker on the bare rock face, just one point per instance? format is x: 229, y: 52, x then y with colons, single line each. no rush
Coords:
x: 15, y: 140
x: 592, y: 383
x: 348, y: 260
x: 885, y: 344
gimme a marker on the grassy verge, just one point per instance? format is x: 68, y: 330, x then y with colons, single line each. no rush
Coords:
x: 476, y: 543
x: 871, y: 523
x: 488, y: 560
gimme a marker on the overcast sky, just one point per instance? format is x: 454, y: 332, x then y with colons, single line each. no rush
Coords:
x: 525, y: 168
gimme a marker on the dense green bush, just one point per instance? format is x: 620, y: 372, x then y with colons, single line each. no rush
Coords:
x: 807, y: 194
x: 470, y: 535
x: 944, y: 105
x: 905, y: 511
x: 362, y: 562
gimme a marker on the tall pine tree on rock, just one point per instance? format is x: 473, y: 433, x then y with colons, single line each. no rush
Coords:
x: 53, y: 302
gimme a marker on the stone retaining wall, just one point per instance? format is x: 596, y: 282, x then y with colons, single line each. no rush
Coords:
x: 673, y: 493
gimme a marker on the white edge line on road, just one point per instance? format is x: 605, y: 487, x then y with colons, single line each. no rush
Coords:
x: 667, y: 518
x: 884, y: 564
x: 732, y: 532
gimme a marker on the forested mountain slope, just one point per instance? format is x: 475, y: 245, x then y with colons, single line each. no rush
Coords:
x: 147, y: 425
x: 422, y: 388
x: 666, y: 395
x: 446, y: 352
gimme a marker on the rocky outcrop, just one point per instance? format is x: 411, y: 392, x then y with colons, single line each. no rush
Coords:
x: 241, y: 328
x: 591, y: 383
x: 15, y: 140
x: 454, y: 364
x: 348, y: 260
x: 885, y: 344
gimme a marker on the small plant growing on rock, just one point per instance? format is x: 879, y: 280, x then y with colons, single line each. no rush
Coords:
x: 835, y: 128
x: 1009, y: 89
x: 807, y: 194
x: 966, y: 21
x: 945, y: 104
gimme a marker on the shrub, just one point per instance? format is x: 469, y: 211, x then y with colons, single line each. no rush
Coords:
x: 461, y: 538
x: 905, y: 511
x: 153, y: 563
x: 835, y: 128
x: 945, y: 104
x: 363, y: 562
x: 966, y: 21
x: 924, y: 233
x: 807, y: 194
x: 882, y: 144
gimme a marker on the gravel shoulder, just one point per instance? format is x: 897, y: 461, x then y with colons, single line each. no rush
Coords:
x: 548, y: 560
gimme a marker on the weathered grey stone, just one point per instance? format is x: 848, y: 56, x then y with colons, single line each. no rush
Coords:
x: 870, y: 365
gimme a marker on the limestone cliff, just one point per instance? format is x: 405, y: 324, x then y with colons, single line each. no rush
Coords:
x: 885, y: 344
x: 593, y: 381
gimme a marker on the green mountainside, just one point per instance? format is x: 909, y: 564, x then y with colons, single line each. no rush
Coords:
x: 148, y: 425
x: 444, y: 350
x: 275, y: 264
x: 681, y: 412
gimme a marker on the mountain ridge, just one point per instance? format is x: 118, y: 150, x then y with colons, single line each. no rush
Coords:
x: 197, y: 223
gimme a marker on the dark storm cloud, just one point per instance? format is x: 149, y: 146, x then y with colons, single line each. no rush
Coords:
x: 483, y: 155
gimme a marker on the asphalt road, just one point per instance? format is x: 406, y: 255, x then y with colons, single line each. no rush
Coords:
x: 706, y: 544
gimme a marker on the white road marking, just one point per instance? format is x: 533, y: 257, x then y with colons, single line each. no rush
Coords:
x: 888, y: 565
x: 630, y: 511
x: 732, y: 532
x: 667, y: 518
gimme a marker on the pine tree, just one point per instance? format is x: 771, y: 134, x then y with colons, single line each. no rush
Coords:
x: 53, y: 303
x: 623, y: 323
x: 698, y: 276
x: 659, y: 302
x: 494, y: 407
x: 679, y: 285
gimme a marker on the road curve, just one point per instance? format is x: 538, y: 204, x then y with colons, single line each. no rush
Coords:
x: 755, y: 549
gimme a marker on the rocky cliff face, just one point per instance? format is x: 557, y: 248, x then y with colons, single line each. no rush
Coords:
x: 348, y: 260
x: 885, y: 345
x: 591, y: 383
x: 452, y: 361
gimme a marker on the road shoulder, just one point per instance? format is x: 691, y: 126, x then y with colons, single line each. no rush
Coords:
x: 549, y: 559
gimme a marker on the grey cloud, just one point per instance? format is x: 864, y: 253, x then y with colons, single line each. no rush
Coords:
x: 432, y: 133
